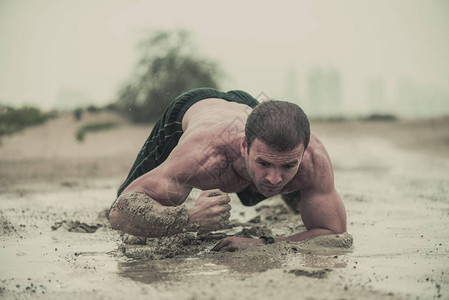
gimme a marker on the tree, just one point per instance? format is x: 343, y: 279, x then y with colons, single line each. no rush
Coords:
x: 169, y: 66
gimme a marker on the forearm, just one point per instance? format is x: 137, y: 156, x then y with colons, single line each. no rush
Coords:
x: 305, y: 235
x: 138, y: 214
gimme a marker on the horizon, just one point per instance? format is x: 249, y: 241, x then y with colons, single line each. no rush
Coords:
x: 352, y: 57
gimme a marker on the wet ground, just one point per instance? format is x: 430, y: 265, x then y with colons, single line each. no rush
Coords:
x: 398, y: 211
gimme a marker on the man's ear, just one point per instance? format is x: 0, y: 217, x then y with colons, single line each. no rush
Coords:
x: 244, y: 147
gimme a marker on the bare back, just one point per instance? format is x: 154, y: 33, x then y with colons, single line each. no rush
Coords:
x: 213, y: 113
x: 213, y: 130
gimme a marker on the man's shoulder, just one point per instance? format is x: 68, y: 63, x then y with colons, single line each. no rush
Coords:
x: 214, y: 134
x: 204, y: 160
x: 205, y: 144
x: 316, y: 167
x: 317, y: 154
x: 210, y: 135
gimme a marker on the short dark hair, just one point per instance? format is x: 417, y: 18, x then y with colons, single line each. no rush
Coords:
x: 279, y: 124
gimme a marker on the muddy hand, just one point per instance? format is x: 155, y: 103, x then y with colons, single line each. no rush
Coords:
x: 233, y: 243
x: 211, y: 211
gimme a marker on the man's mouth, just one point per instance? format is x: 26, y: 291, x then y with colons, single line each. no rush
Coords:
x: 270, y: 187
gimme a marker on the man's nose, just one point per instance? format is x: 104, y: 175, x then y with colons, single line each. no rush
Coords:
x: 274, y: 177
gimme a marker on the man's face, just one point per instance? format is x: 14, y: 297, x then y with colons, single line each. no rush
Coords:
x: 269, y: 169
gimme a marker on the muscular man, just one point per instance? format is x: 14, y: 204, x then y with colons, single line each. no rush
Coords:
x: 223, y: 143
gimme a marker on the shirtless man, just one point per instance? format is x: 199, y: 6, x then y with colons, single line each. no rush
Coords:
x: 218, y: 143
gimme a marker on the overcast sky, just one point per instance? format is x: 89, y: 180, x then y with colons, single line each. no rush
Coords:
x: 89, y: 46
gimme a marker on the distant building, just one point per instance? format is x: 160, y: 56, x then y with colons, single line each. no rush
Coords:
x: 324, y: 92
x: 377, y: 96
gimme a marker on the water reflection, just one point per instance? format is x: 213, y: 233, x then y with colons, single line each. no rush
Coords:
x: 240, y: 264
x: 173, y: 269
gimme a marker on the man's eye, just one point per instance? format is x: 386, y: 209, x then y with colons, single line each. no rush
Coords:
x: 289, y: 166
x: 263, y: 163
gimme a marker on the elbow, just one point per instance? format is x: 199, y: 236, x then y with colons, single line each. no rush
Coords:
x: 340, y: 231
x: 120, y: 220
x: 340, y: 228
x: 338, y: 225
x: 115, y: 219
x: 118, y: 215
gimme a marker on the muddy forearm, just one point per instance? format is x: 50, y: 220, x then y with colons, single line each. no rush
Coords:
x: 306, y: 235
x: 138, y: 214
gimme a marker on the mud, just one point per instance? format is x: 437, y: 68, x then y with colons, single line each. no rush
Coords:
x: 76, y: 226
x: 196, y: 244
x: 313, y: 274
x: 395, y: 196
x: 165, y: 220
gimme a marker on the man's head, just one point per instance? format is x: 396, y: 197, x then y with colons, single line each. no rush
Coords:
x: 277, y: 134
x: 279, y: 124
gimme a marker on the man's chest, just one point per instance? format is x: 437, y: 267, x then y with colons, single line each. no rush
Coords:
x: 217, y: 173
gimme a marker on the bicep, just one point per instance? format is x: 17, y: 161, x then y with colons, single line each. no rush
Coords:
x: 169, y: 183
x: 323, y: 209
x: 321, y: 205
x: 161, y: 186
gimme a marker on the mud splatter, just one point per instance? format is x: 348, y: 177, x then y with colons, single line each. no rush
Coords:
x: 313, y: 274
x: 76, y: 226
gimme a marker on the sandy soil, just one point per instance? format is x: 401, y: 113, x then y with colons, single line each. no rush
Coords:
x: 57, y: 243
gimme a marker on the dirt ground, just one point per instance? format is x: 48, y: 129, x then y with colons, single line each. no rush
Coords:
x: 56, y: 242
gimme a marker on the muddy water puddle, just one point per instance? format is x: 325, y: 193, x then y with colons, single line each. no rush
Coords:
x: 399, y: 231
x: 33, y: 252
x: 37, y: 257
x: 242, y: 264
x: 152, y: 271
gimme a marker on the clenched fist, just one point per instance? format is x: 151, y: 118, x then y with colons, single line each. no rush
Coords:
x: 211, y: 211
